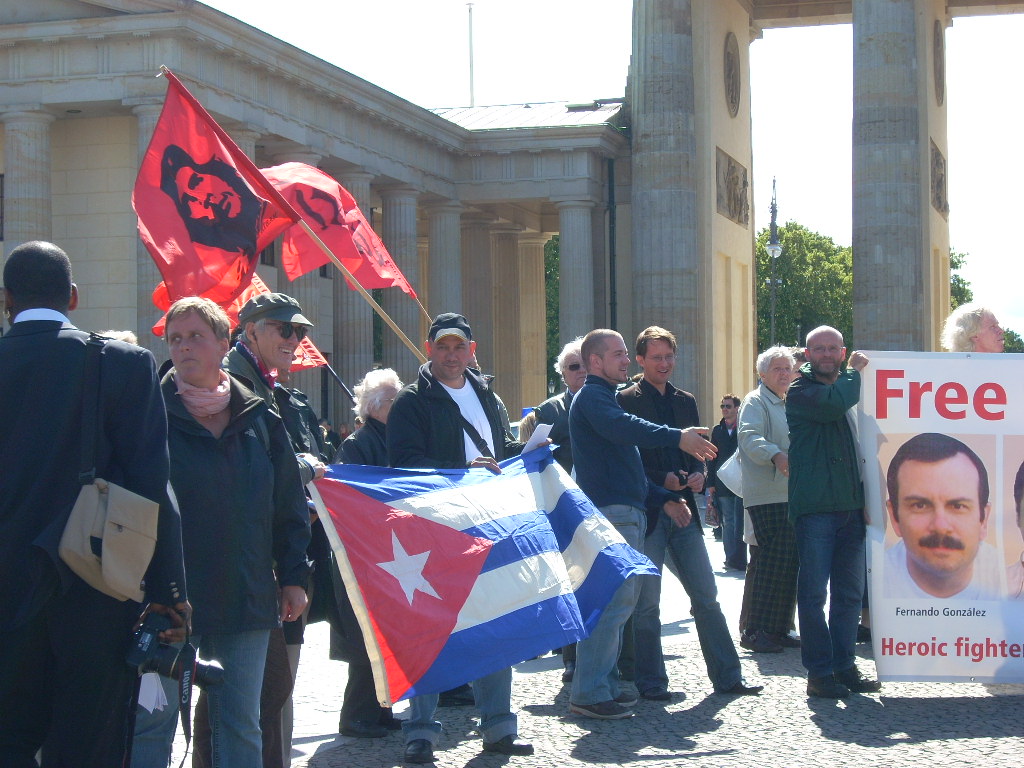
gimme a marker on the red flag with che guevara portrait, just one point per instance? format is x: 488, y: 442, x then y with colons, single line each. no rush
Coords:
x: 331, y: 212
x: 205, y: 210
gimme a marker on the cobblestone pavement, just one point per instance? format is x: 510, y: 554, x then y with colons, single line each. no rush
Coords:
x: 908, y: 724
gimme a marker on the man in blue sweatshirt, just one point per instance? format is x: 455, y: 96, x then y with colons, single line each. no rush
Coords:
x: 609, y: 470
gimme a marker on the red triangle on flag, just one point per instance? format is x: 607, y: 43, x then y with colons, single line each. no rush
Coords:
x: 410, y: 634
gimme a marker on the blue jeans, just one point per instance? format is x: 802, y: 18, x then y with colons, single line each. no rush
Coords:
x: 234, y: 705
x: 830, y: 546
x: 493, y: 695
x: 597, y: 675
x: 730, y: 514
x: 690, y: 557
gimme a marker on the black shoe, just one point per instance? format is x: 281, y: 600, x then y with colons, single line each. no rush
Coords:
x: 742, y: 689
x: 625, y: 699
x: 391, y: 723
x: 856, y: 682
x: 457, y: 697
x: 360, y: 729
x: 658, y: 693
x: 863, y: 634
x: 786, y: 641
x: 569, y: 671
x: 509, y: 745
x: 419, y: 751
x: 826, y: 688
x: 759, y: 642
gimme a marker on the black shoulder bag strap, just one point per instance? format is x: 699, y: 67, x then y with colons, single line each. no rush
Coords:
x: 479, y: 442
x: 90, y: 410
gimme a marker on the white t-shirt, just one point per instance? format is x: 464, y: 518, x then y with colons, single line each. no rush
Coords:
x: 473, y: 411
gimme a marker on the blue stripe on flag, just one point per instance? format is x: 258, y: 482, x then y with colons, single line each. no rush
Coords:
x: 593, y: 595
x: 507, y: 640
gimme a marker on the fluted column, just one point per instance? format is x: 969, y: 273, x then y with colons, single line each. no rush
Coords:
x: 246, y: 139
x: 575, y: 269
x: 532, y: 320
x: 399, y: 237
x: 478, y: 286
x: 897, y: 129
x: 147, y: 274
x: 353, y: 317
x: 305, y: 289
x: 28, y: 214
x: 667, y: 271
x: 508, y: 313
x: 444, y: 261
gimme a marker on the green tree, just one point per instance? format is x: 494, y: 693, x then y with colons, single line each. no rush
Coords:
x: 1013, y: 342
x: 551, y: 309
x: 959, y: 289
x: 814, y: 286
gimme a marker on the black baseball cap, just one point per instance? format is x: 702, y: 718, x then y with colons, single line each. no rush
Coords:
x: 449, y: 324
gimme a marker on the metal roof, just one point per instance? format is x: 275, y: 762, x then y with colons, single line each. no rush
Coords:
x: 535, y: 115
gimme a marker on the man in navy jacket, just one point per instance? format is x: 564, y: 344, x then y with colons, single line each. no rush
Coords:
x: 64, y: 685
x: 610, y: 472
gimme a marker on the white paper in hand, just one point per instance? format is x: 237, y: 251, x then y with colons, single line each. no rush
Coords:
x: 540, y: 434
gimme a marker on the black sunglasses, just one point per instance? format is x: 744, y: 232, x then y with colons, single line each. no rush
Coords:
x: 287, y: 329
x: 574, y: 366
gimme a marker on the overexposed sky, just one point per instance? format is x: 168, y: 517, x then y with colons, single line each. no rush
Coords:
x: 801, y: 82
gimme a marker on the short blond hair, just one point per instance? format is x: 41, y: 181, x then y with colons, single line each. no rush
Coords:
x: 208, y: 311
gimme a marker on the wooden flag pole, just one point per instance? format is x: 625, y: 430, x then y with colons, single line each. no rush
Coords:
x: 363, y: 292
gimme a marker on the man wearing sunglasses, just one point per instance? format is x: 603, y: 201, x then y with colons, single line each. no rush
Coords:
x: 555, y: 410
x: 271, y: 327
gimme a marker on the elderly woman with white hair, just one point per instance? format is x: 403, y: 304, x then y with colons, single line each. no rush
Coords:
x: 972, y: 328
x: 769, y: 593
x: 362, y: 717
x: 374, y: 396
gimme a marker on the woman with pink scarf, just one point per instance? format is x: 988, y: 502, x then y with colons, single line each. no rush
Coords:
x: 244, y: 525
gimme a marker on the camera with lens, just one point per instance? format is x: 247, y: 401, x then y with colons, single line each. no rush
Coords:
x: 148, y: 654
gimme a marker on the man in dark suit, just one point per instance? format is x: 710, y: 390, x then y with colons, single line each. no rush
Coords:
x: 64, y: 683
x: 654, y: 398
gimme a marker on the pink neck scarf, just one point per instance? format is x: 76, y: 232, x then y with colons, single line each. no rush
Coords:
x: 202, y: 402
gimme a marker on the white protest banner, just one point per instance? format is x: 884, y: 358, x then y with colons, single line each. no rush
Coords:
x: 942, y: 435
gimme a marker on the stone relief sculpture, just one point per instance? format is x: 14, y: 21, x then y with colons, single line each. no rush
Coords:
x: 939, y: 200
x: 732, y: 189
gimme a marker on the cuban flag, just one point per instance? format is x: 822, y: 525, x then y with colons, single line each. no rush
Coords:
x: 454, y: 574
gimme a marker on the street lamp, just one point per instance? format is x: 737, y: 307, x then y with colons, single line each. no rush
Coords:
x: 774, y: 249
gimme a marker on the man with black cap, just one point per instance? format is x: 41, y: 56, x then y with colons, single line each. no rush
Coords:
x: 449, y: 419
x: 272, y: 326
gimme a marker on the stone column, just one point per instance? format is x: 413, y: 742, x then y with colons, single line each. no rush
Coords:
x: 246, y: 139
x: 444, y: 263
x: 399, y: 237
x: 305, y: 289
x: 893, y: 218
x: 575, y: 269
x: 507, y: 354
x: 147, y: 274
x: 28, y: 214
x: 532, y: 321
x: 353, y: 316
x: 478, y: 286
x: 667, y: 275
